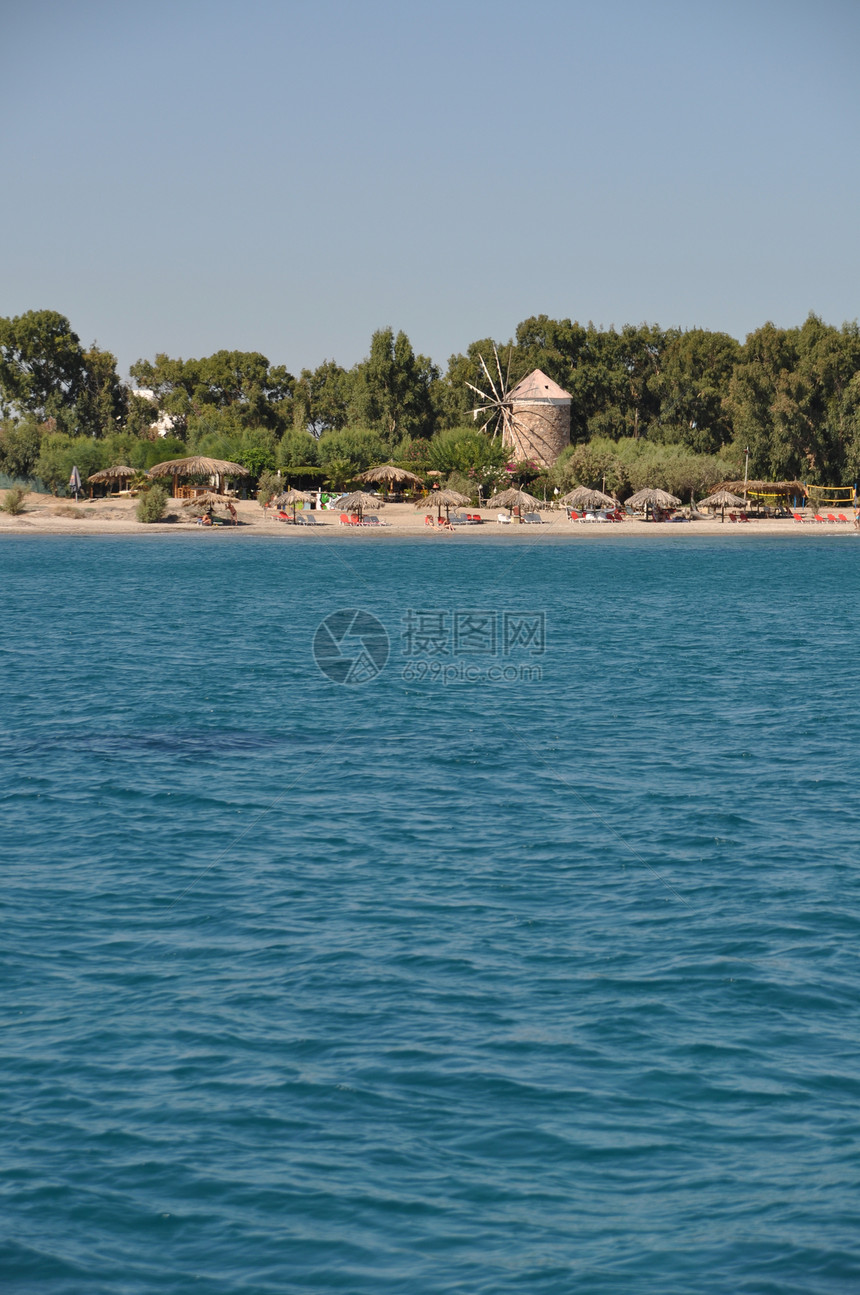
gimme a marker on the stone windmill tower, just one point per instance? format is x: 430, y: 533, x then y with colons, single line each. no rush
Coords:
x: 533, y: 417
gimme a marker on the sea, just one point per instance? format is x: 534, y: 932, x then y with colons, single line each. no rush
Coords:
x: 408, y: 916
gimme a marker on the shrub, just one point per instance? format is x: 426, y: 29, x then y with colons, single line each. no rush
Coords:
x: 13, y: 501
x: 151, y: 506
x: 270, y: 484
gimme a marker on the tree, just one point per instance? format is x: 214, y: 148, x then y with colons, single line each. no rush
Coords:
x: 41, y: 365
x: 321, y: 398
x: 391, y: 392
x: 692, y: 386
x: 256, y: 393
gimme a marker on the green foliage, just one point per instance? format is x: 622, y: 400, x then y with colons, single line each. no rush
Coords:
x: 391, y: 388
x: 321, y: 398
x: 267, y: 487
x: 59, y: 453
x: 151, y: 505
x: 351, y: 450
x: 622, y: 467
x: 19, y: 447
x: 160, y: 451
x: 256, y: 393
x: 13, y: 501
x: 463, y: 449
x: 298, y: 449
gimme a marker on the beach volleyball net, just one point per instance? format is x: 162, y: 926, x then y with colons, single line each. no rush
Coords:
x: 831, y: 496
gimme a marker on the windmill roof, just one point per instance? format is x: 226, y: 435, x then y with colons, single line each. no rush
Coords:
x: 537, y: 386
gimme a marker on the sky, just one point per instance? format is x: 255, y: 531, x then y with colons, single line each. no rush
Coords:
x: 287, y: 177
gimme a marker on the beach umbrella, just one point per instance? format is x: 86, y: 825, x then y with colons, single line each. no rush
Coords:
x: 440, y: 499
x: 583, y: 497
x: 722, y: 499
x: 293, y: 497
x: 206, y: 502
x: 512, y: 499
x: 75, y: 482
x: 358, y: 502
x: 389, y: 475
x: 651, y: 498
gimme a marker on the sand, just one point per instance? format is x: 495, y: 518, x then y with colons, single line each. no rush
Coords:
x: 46, y: 516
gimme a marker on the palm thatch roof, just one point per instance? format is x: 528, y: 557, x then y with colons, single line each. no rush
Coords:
x: 358, y: 501
x: 443, y: 499
x: 653, y: 498
x: 293, y: 496
x: 389, y: 474
x: 516, y: 499
x: 774, y: 488
x: 207, y: 500
x: 583, y: 497
x: 118, y: 473
x: 198, y: 466
x: 722, y: 499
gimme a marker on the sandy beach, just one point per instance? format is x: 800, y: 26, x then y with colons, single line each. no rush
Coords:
x: 45, y: 515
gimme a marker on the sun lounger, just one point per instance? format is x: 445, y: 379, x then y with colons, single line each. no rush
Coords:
x: 428, y: 521
x: 831, y: 518
x: 819, y: 518
x: 308, y: 519
x: 344, y: 519
x: 504, y: 519
x: 843, y: 518
x: 533, y: 519
x: 797, y: 517
x: 474, y: 519
x: 574, y: 515
x: 742, y: 517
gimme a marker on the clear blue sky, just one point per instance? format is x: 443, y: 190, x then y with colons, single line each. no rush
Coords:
x: 287, y: 177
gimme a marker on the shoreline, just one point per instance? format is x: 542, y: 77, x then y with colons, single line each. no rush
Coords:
x: 44, y: 515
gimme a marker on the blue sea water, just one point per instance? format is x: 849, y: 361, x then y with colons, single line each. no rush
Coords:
x: 541, y: 978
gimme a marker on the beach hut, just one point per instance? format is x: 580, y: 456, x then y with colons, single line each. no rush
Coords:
x: 119, y: 473
x: 199, y: 467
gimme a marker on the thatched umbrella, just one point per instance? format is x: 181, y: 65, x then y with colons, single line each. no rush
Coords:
x: 512, y: 499
x: 205, y: 503
x: 722, y: 499
x: 118, y: 473
x: 293, y: 497
x: 651, y: 499
x: 389, y: 475
x: 198, y: 466
x: 440, y: 499
x: 358, y: 502
x: 583, y: 497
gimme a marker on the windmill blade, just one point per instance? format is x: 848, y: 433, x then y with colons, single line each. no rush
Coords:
x: 497, y: 394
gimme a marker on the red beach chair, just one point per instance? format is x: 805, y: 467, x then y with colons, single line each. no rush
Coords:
x: 797, y: 517
x: 819, y: 518
x: 344, y: 520
x: 843, y: 518
x: 831, y: 518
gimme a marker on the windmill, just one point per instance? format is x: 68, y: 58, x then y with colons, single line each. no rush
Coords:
x: 532, y: 418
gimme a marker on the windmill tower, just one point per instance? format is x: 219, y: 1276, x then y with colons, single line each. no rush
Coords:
x: 540, y: 423
x: 533, y: 417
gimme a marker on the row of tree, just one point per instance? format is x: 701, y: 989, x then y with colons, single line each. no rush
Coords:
x: 790, y: 396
